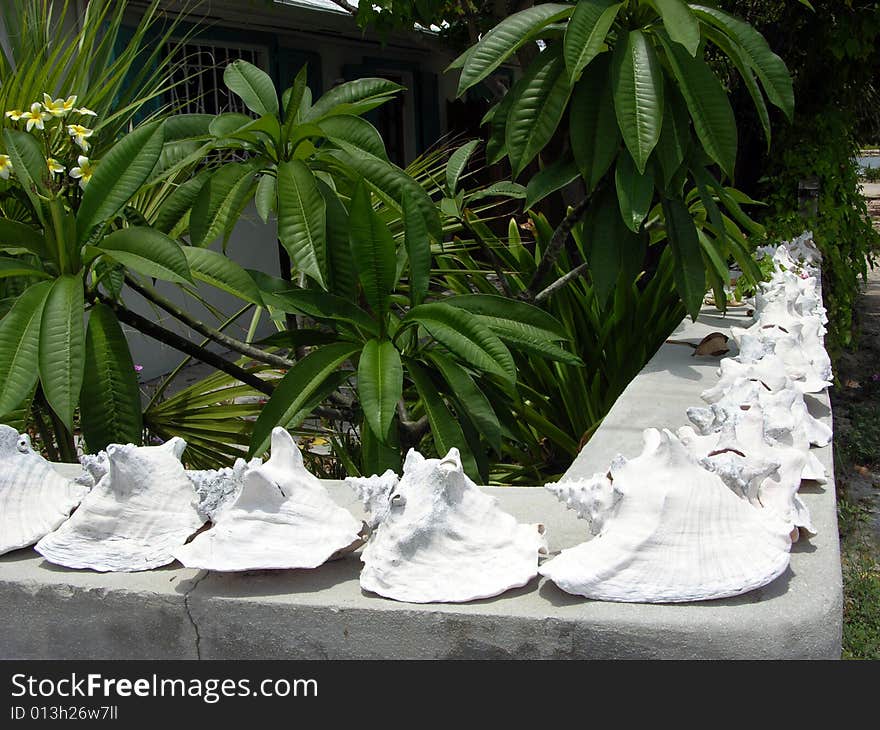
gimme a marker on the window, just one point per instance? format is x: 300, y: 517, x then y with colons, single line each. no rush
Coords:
x: 198, y: 80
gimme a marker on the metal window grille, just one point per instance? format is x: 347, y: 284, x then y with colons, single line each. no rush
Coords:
x: 198, y: 77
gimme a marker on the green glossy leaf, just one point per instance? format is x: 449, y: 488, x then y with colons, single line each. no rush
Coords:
x: 187, y: 126
x: 265, y: 196
x: 457, y: 163
x: 635, y: 192
x: 295, y: 389
x: 110, y: 400
x: 552, y: 178
x: 148, y: 252
x: 637, y: 82
x: 228, y: 123
x: 340, y: 267
x: 353, y: 97
x: 217, y: 204
x: 380, y: 385
x: 593, y: 130
x: 606, y: 235
x: 292, y: 99
x: 689, y: 272
x: 505, y: 38
x: 586, y: 32
x: 499, y: 190
x: 374, y: 253
x: 708, y: 105
x: 253, y: 86
x: 464, y: 335
x: 466, y: 393
x: 62, y: 343
x: 535, y: 114
x: 175, y: 209
x: 318, y: 305
x: 771, y: 69
x: 19, y: 235
x: 302, y: 219
x: 674, y: 137
x: 388, y: 181
x: 445, y: 429
x: 118, y: 176
x: 377, y: 457
x: 19, y: 346
x: 418, y: 248
x: 680, y: 23
x: 218, y: 270
x: 736, y: 55
x: 496, y: 309
x: 17, y: 267
x: 357, y: 132
x: 28, y: 163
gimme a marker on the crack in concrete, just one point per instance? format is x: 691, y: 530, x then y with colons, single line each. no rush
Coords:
x: 189, y: 615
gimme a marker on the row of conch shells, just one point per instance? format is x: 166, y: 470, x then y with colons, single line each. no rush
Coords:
x: 712, y: 511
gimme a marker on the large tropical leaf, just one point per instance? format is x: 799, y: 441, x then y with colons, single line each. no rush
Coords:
x: 680, y: 23
x: 457, y: 163
x: 15, y: 235
x: 445, y: 429
x: 374, y: 253
x: 353, y: 97
x: 634, y: 192
x: 708, y: 105
x: 253, y: 85
x: 62, y: 342
x: 380, y: 385
x: 29, y: 164
x: 549, y: 180
x: 217, y: 204
x: 469, y: 396
x: 18, y: 267
x: 295, y: 390
x: 495, y: 310
x: 302, y: 219
x: 355, y: 131
x: 637, y: 81
x: 119, y: 175
x: 585, y: 33
x: 536, y: 112
x: 340, y: 267
x: 505, y: 38
x: 148, y: 252
x: 19, y: 346
x: 220, y: 271
x: 175, y: 209
x: 464, y: 335
x: 110, y: 400
x: 418, y: 248
x: 689, y: 271
x: 593, y: 130
x: 771, y: 69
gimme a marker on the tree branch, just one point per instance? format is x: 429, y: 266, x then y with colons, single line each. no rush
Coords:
x: 217, y: 336
x: 151, y: 329
x: 561, y: 282
x: 554, y: 248
x: 351, y: 9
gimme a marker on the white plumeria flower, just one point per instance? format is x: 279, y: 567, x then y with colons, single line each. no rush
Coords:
x: 14, y: 114
x: 85, y: 112
x: 5, y: 166
x: 83, y: 171
x: 36, y: 116
x: 54, y: 165
x: 58, y: 107
x: 79, y: 134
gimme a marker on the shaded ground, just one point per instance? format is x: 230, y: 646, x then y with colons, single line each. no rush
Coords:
x: 856, y: 402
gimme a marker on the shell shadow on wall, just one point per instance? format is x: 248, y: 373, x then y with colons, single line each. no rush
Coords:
x: 670, y: 532
x: 439, y: 538
x: 34, y: 498
x: 142, y: 509
x: 282, y: 517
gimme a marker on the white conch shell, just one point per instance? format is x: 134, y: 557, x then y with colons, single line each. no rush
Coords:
x: 591, y: 498
x: 34, y: 498
x: 281, y: 518
x: 218, y: 488
x: 441, y: 538
x: 676, y: 534
x: 139, y: 512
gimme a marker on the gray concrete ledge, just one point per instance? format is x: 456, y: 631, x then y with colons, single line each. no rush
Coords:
x: 172, y: 613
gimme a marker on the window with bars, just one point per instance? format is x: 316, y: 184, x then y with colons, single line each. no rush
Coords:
x: 198, y: 77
